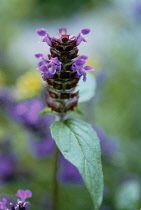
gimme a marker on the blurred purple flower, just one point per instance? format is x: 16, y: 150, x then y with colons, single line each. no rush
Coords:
x: 68, y: 173
x: 7, y: 165
x: 20, y: 204
x: 43, y: 148
x: 101, y: 76
x: 108, y: 144
x: 8, y: 161
x: 137, y: 9
x: 6, y: 99
x: 26, y: 112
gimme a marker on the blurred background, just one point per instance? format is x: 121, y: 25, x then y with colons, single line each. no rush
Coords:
x: 26, y: 147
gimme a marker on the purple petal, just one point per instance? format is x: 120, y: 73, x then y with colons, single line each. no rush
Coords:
x: 88, y: 68
x: 79, y: 39
x: 52, y: 69
x: 41, y: 32
x: 62, y: 31
x: 41, y: 63
x: 56, y: 61
x: 47, y: 39
x: 2, y: 204
x: 85, y: 31
x: 38, y: 55
x: 84, y: 57
x: 44, y: 69
x: 81, y: 71
x: 80, y: 62
x: 44, y: 76
x: 59, y: 67
x: 84, y: 76
x: 84, y: 40
x: 73, y: 67
x: 28, y: 193
x: 24, y: 194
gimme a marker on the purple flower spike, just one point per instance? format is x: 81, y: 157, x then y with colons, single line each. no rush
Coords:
x: 2, y: 204
x: 85, y: 31
x: 62, y: 31
x: 41, y: 32
x: 24, y: 194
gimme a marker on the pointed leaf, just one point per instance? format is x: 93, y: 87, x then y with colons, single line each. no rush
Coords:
x: 46, y: 110
x: 79, y: 144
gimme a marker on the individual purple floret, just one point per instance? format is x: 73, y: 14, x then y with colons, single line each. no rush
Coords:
x: 78, y: 66
x: 80, y: 37
x: 24, y: 194
x: 108, y: 144
x: 46, y: 38
x: 21, y: 204
x: 48, y: 67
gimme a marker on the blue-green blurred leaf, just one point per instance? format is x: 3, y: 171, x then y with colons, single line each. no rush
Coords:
x: 86, y: 89
x: 128, y: 196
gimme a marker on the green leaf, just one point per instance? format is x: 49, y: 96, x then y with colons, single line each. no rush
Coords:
x: 79, y: 144
x: 128, y: 195
x: 86, y: 89
x: 46, y: 110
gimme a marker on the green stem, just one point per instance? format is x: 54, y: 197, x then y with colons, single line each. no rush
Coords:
x: 55, y: 183
x: 55, y: 169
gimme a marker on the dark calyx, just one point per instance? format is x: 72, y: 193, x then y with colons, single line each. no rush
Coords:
x: 61, y: 88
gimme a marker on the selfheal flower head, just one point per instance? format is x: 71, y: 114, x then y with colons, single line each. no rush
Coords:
x: 63, y: 68
x: 64, y: 50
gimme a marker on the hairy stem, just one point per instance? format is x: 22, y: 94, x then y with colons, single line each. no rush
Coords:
x: 55, y: 183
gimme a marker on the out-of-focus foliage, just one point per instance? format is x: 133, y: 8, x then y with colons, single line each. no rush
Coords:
x: 40, y: 9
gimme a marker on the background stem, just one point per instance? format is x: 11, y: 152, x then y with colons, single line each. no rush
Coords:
x: 55, y: 183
